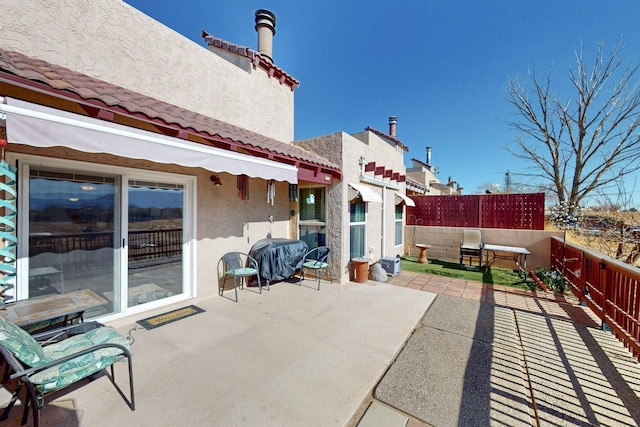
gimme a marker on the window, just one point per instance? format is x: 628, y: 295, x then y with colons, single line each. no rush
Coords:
x: 398, y: 224
x: 357, y: 228
x: 312, y: 216
x: 312, y: 206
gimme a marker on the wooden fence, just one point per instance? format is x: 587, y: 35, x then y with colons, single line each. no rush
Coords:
x: 511, y: 211
x: 609, y: 287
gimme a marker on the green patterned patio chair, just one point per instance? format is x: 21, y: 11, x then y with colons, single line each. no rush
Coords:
x: 44, y: 373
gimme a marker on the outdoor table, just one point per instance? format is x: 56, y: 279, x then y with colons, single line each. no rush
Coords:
x: 278, y: 259
x: 515, y: 253
x: 66, y: 307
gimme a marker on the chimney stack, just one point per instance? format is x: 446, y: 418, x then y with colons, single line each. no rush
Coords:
x: 266, y: 28
x: 393, y: 121
x: 428, y: 156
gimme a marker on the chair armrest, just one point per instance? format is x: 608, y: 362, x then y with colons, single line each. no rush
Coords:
x: 64, y: 359
x: 252, y: 261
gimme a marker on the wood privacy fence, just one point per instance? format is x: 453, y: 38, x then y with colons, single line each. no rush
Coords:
x: 609, y: 287
x: 511, y: 211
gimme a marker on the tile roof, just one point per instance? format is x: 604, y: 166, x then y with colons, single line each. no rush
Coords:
x: 426, y: 165
x: 255, y: 57
x: 63, y: 82
x: 389, y: 137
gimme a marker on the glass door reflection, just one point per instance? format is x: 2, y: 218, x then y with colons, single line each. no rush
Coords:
x: 71, y: 233
x: 155, y: 230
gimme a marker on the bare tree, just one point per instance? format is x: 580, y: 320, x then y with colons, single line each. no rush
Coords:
x: 588, y: 141
x: 613, y: 227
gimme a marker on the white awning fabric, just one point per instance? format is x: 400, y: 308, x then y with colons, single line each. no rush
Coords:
x: 367, y: 194
x: 407, y: 201
x: 40, y: 126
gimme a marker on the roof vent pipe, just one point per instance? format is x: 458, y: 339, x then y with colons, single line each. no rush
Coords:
x: 266, y: 28
x: 393, y: 121
x: 428, y: 156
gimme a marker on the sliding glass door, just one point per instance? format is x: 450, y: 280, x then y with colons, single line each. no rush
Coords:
x: 120, y: 233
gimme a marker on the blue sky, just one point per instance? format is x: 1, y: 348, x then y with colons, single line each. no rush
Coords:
x: 440, y: 66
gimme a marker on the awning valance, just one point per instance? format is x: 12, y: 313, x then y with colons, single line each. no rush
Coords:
x: 40, y: 126
x: 367, y: 194
x: 407, y: 201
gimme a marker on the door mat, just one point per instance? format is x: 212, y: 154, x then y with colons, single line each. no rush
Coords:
x: 168, y: 317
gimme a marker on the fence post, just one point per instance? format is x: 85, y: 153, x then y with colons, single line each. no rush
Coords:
x: 605, y: 295
x: 585, y: 263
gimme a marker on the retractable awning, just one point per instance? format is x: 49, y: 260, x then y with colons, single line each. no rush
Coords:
x: 40, y: 126
x: 407, y: 201
x: 367, y: 194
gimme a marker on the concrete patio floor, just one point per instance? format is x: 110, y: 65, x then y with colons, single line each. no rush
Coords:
x: 492, y: 356
x: 419, y: 350
x: 291, y: 356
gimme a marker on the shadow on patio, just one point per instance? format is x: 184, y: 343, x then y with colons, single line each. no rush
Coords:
x: 485, y: 356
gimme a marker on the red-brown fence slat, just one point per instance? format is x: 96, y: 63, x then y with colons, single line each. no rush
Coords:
x: 510, y: 211
x: 610, y: 288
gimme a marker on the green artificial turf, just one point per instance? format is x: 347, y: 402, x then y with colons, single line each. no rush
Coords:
x: 496, y: 276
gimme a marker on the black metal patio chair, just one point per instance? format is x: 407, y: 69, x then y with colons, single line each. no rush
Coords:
x: 238, y: 265
x: 316, y: 260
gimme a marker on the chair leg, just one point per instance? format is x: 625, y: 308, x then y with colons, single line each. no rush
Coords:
x: 31, y: 400
x: 133, y: 398
x: 235, y: 287
x: 132, y: 402
x: 14, y: 399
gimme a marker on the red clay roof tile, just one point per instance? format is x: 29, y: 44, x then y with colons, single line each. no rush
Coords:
x: 269, y: 67
x: 389, y: 137
x: 109, y: 95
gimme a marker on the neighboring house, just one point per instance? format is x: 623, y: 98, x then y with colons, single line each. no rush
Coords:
x: 365, y: 212
x: 142, y: 157
x: 422, y: 179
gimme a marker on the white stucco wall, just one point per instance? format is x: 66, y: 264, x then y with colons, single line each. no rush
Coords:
x: 373, y: 148
x: 224, y: 222
x: 112, y: 41
x: 346, y: 150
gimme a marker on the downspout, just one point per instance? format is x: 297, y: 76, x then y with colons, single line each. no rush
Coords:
x: 384, y: 185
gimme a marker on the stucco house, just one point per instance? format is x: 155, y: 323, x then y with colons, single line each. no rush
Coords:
x: 422, y: 179
x: 125, y: 134
x: 365, y: 212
